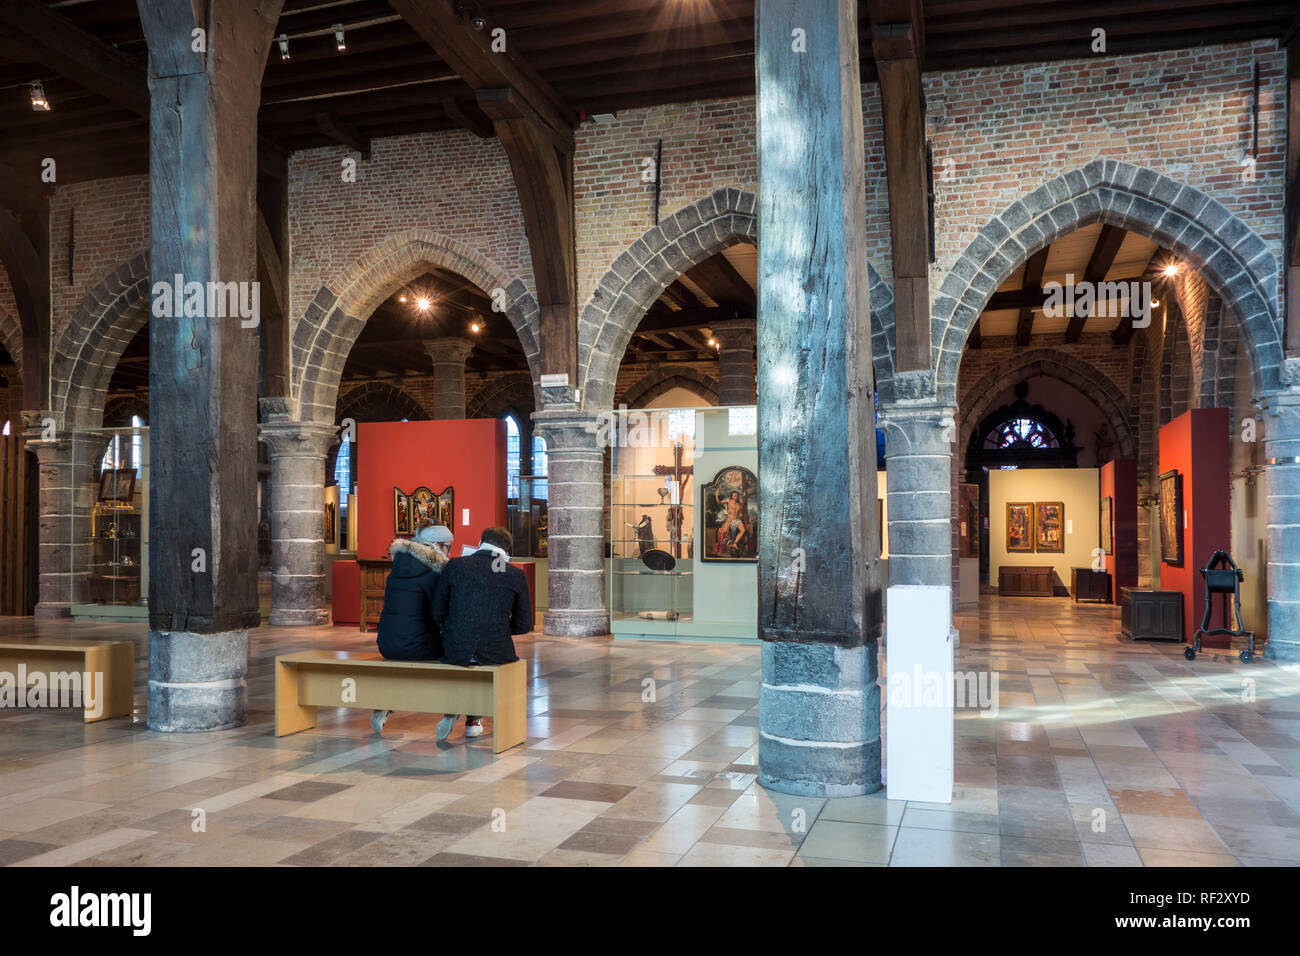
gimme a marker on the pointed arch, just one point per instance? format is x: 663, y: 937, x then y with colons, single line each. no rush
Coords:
x: 1236, y: 263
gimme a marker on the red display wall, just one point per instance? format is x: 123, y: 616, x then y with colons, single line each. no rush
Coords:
x: 1196, y: 444
x: 1118, y: 481
x: 469, y: 455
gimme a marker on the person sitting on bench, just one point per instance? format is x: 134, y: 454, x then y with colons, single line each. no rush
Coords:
x: 481, y: 601
x: 407, y: 629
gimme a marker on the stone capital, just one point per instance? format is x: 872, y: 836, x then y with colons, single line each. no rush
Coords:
x: 289, y: 438
x: 450, y: 350
x: 735, y: 334
x: 568, y: 428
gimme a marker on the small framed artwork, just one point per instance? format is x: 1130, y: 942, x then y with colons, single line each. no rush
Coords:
x: 1020, y: 526
x: 1107, y: 527
x: 401, y: 512
x: 730, y: 505
x: 1049, y: 527
x: 1171, y: 518
x: 117, y: 484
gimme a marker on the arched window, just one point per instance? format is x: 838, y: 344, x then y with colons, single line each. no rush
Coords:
x: 1020, y: 434
x: 512, y: 457
x: 539, y: 456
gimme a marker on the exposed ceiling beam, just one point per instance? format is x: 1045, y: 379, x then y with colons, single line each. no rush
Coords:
x: 680, y: 296
x: 343, y: 134
x: 469, y: 118
x: 720, y: 281
x: 1034, y: 268
x: 1103, y: 257
x: 29, y: 30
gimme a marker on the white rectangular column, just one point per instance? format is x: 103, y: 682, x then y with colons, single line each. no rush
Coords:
x: 919, y: 702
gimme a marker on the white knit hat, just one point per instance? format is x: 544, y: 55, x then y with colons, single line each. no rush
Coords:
x: 433, y: 534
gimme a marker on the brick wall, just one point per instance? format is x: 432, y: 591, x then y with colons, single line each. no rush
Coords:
x: 452, y: 183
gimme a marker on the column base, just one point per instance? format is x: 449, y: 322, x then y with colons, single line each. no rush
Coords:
x: 293, y: 617
x: 51, y: 609
x: 571, y: 623
x: 196, y: 681
x: 1282, y: 651
x: 819, y: 720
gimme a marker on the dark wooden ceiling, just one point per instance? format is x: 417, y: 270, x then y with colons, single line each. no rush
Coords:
x: 599, y: 55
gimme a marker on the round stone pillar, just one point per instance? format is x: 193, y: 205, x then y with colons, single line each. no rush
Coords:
x: 1282, y: 461
x: 297, y: 451
x: 918, y: 463
x: 737, y: 369
x: 576, y: 539
x: 448, y: 356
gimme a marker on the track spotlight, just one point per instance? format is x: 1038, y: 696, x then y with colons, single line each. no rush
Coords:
x: 475, y: 328
x: 1171, y: 270
x: 423, y: 304
x: 338, y: 37
x: 39, y: 103
x: 283, y: 40
x: 402, y: 298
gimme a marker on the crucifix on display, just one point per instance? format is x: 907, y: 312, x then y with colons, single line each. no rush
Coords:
x: 681, y: 475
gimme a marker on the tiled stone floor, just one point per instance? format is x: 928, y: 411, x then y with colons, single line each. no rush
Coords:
x: 1103, y: 753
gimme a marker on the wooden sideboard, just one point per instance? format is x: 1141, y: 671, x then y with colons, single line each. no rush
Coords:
x: 1089, y: 585
x: 1151, y: 615
x: 374, y: 575
x: 1025, y: 581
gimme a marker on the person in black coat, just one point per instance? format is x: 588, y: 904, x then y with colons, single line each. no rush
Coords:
x: 407, y: 629
x: 481, y: 600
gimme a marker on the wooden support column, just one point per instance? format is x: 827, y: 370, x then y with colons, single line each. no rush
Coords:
x: 25, y: 255
x: 202, y: 369
x: 898, y: 47
x: 273, y: 269
x: 535, y: 126
x: 819, y: 580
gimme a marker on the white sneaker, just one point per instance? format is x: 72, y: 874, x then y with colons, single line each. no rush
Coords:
x: 474, y: 729
x: 446, y: 724
x: 378, y: 718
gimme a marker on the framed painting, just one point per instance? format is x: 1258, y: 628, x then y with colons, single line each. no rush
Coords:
x: 1107, y: 525
x: 1171, y: 518
x: 331, y: 527
x: 730, y: 508
x: 117, y: 484
x: 401, y: 513
x: 1020, y: 526
x: 1049, y: 527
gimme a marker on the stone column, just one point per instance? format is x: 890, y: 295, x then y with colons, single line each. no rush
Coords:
x: 575, y: 515
x: 819, y: 573
x: 1282, y: 461
x: 737, y: 369
x: 918, y: 460
x: 203, y: 369
x: 448, y: 356
x: 297, y: 520
x: 55, y: 505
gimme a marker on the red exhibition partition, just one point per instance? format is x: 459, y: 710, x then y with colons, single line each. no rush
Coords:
x: 1118, y: 481
x: 467, y: 454
x: 1196, y: 445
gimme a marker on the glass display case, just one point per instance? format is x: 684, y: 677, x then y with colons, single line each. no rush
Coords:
x: 683, y: 524
x: 110, y: 522
x: 527, y: 517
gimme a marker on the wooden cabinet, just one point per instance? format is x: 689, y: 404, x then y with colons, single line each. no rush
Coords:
x: 374, y: 575
x: 1025, y: 581
x: 1151, y: 615
x: 1089, y: 585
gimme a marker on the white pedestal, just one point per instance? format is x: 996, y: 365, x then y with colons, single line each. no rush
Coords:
x: 918, y: 710
x: 969, y: 592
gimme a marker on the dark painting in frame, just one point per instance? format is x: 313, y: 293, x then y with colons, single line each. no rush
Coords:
x: 730, y: 525
x: 1020, y: 527
x: 1171, y: 518
x: 117, y: 484
x: 1049, y: 527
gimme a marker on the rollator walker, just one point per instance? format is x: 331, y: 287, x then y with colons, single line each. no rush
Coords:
x: 1222, y: 576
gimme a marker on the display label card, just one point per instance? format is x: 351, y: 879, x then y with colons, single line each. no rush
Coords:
x: 464, y: 517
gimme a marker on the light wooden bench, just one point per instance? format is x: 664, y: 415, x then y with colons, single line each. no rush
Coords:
x: 114, y: 659
x: 310, y: 679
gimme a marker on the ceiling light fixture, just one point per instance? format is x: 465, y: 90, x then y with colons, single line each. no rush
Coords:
x: 39, y: 103
x: 1171, y: 270
x: 338, y: 37
x: 402, y: 297
x: 423, y: 304
x: 283, y: 40
x: 475, y: 328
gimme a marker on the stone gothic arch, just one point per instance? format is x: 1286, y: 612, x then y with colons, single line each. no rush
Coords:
x: 90, y: 345
x: 11, y: 336
x: 509, y: 395
x: 326, y: 332
x: 1229, y: 255
x: 661, y: 380
x: 1064, y: 367
x: 641, y: 273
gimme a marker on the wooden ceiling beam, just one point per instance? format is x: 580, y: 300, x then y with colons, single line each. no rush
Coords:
x: 31, y: 30
x: 898, y: 49
x: 1034, y: 268
x: 720, y: 281
x: 1103, y: 257
x: 680, y: 296
x: 343, y: 134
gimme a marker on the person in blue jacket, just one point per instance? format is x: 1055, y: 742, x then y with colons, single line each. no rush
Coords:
x: 407, y: 629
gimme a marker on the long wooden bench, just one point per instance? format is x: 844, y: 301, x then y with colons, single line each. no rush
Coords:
x: 310, y: 679
x: 115, y: 660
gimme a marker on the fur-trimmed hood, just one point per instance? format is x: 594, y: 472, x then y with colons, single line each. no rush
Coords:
x: 426, y: 554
